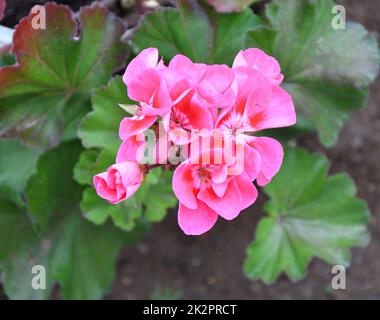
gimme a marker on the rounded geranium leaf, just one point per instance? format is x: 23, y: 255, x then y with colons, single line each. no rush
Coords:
x: 316, y: 215
x: 327, y: 70
x: 100, y: 128
x: 17, y: 165
x: 199, y: 33
x: 52, y: 192
x: 44, y: 96
x: 75, y: 253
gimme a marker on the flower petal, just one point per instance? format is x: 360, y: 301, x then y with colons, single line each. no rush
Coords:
x: 103, y: 190
x: 119, y: 182
x: 259, y: 60
x: 144, y: 85
x: 278, y: 112
x: 220, y: 188
x: 183, y: 65
x: 252, y: 161
x: 196, y: 115
x: 248, y: 191
x: 271, y: 153
x: 215, y: 85
x: 131, y: 126
x: 183, y: 186
x: 131, y: 172
x: 219, y: 174
x: 131, y: 149
x: 198, y: 221
x: 161, y: 100
x: 229, y: 206
x: 146, y: 59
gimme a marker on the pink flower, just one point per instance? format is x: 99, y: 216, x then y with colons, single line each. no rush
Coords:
x: 134, y: 148
x: 187, y: 116
x: 146, y: 84
x: 257, y: 59
x: 131, y: 126
x: 131, y: 149
x: 206, y: 190
x: 259, y: 105
x: 212, y: 83
x: 212, y: 113
x: 229, y: 5
x: 120, y: 181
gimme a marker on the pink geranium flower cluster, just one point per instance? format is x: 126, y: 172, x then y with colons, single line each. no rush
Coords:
x: 212, y: 113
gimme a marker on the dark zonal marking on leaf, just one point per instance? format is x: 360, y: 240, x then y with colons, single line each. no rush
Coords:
x: 44, y: 96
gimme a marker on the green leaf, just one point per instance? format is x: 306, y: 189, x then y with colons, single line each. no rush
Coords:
x: 99, y: 132
x: 17, y: 165
x: 159, y: 198
x: 327, y: 71
x: 315, y: 215
x: 18, y: 250
x: 6, y: 59
x: 92, y: 162
x: 95, y: 209
x: 76, y: 254
x: 99, y: 129
x: 195, y: 31
x: 84, y: 258
x: 52, y: 191
x: 84, y: 169
x: 98, y: 210
x: 44, y: 97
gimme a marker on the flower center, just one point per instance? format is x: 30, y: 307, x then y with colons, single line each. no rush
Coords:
x: 204, y: 174
x: 202, y: 177
x: 179, y: 120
